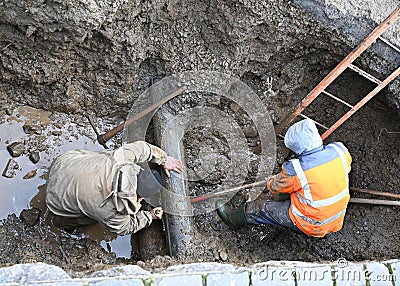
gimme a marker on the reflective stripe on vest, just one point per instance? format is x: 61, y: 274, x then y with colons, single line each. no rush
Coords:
x: 343, y: 157
x: 303, y: 181
x: 296, y: 212
x: 308, y: 200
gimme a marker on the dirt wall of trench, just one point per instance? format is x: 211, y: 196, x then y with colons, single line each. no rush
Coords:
x: 69, y: 55
x: 72, y: 55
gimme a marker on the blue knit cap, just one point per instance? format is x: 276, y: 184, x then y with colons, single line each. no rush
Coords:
x: 303, y: 136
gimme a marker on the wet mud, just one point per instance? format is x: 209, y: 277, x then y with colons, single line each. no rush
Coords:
x: 369, y: 232
x: 56, y: 67
x: 22, y: 194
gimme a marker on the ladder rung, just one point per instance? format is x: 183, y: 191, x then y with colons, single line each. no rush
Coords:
x: 316, y: 122
x: 363, y: 101
x: 338, y: 70
x: 338, y: 99
x: 389, y: 44
x: 364, y: 74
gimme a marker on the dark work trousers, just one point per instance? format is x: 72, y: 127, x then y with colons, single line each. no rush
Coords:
x: 70, y: 223
x: 269, y: 212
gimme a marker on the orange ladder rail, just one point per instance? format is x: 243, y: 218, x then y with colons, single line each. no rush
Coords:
x: 343, y: 65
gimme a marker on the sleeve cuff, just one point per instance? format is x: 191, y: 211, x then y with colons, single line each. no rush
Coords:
x: 158, y: 155
x: 147, y: 214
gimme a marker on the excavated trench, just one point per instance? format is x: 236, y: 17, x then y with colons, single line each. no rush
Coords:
x: 51, y: 75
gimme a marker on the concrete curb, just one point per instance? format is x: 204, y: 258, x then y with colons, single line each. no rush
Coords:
x: 293, y: 273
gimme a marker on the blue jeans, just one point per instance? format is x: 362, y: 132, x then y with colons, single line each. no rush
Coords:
x: 270, y: 212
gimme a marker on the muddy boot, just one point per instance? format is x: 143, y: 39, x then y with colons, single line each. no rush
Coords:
x: 233, y: 218
x: 59, y: 222
x: 69, y: 224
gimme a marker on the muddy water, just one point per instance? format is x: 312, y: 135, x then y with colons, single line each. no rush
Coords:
x: 18, y: 193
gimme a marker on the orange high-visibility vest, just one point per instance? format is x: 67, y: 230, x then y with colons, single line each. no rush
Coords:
x: 319, y: 189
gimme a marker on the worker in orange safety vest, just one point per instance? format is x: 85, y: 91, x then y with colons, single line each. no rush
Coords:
x: 315, y: 180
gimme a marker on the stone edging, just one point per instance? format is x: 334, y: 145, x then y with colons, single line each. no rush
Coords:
x: 210, y: 274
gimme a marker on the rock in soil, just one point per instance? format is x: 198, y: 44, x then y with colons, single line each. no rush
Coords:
x: 9, y: 112
x: 30, y: 216
x: 223, y: 255
x: 56, y: 132
x: 32, y: 129
x: 34, y: 157
x: 250, y: 131
x: 16, y: 149
x: 9, y: 170
x: 255, y: 42
x: 30, y: 175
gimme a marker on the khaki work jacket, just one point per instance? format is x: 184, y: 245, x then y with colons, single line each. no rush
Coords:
x: 84, y: 184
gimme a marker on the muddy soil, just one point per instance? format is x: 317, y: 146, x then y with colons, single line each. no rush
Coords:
x: 370, y: 232
x: 69, y: 66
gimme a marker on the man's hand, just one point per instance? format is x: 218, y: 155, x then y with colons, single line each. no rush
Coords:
x: 172, y: 164
x: 157, y: 213
x: 266, y: 190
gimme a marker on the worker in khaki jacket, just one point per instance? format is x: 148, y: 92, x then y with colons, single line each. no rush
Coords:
x: 315, y: 180
x: 85, y: 187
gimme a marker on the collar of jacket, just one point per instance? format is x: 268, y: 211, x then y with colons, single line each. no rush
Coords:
x: 305, y: 153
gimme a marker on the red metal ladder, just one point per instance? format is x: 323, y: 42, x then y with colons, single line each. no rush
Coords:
x: 344, y: 64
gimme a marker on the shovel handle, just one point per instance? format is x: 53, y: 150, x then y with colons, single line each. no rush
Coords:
x: 103, y: 138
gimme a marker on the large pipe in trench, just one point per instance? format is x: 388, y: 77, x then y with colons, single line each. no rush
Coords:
x: 175, y: 196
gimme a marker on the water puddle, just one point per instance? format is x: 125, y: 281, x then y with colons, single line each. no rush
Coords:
x: 55, y: 136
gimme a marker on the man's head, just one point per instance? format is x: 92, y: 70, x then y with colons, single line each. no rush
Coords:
x: 303, y: 136
x: 148, y: 183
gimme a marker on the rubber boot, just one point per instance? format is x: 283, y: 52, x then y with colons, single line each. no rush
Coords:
x: 233, y: 218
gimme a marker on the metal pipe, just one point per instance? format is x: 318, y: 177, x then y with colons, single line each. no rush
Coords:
x: 175, y: 199
x: 375, y: 202
x: 375, y: 193
x: 236, y: 189
x: 264, y: 182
